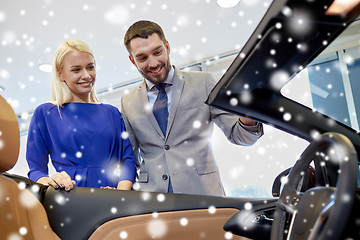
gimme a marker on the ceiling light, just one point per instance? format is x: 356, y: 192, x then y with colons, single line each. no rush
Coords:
x: 45, y: 68
x: 227, y: 3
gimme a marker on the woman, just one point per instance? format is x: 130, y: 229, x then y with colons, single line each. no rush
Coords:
x: 82, y: 136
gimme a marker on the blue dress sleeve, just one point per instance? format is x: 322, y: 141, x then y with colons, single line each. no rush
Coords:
x: 127, y: 158
x: 37, y: 153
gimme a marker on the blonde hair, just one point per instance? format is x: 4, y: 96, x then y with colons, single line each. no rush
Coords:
x: 60, y: 92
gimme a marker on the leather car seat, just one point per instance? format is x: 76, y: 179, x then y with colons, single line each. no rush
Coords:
x: 22, y: 216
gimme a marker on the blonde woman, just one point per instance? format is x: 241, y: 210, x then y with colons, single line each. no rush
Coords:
x: 82, y: 136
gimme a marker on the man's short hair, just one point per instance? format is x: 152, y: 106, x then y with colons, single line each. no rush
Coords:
x: 142, y: 29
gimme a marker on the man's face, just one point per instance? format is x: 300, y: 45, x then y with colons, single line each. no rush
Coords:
x: 151, y: 57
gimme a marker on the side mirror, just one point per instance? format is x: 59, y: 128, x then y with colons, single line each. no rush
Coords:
x: 307, y: 182
x: 276, y: 188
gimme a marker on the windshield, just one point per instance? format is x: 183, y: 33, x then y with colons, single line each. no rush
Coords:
x: 332, y: 85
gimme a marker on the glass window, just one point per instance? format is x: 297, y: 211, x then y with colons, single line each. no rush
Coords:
x: 332, y: 81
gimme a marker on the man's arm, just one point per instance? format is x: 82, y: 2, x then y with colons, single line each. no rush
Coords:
x: 238, y: 130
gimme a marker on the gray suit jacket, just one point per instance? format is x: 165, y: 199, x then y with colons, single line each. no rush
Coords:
x: 185, y: 153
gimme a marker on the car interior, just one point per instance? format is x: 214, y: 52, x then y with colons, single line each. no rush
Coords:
x: 317, y: 198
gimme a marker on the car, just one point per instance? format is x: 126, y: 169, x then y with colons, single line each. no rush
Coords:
x: 293, y: 50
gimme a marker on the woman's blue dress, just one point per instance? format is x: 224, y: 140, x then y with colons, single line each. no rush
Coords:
x: 88, y: 141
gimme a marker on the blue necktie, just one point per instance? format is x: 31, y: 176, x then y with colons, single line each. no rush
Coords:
x: 160, y: 108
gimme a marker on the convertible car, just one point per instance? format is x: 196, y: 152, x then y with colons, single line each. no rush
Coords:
x: 300, y: 48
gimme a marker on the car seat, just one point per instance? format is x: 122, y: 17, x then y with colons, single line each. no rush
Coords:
x: 22, y: 214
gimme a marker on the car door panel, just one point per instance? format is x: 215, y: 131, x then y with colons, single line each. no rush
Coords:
x: 176, y: 225
x: 78, y: 213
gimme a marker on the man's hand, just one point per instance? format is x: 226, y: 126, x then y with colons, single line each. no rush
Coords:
x: 247, y: 122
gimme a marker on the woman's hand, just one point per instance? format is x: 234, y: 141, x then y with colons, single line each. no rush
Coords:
x: 107, y: 187
x: 122, y: 185
x: 58, y: 180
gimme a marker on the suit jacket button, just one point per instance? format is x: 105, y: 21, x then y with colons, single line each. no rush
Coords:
x: 165, y: 177
x: 167, y: 147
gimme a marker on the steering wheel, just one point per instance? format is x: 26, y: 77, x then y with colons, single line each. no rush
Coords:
x: 321, y: 212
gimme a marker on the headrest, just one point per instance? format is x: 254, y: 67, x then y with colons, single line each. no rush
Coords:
x: 9, y: 136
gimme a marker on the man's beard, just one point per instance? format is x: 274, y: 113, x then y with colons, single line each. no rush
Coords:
x: 157, y: 80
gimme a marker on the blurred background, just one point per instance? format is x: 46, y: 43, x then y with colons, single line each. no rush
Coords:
x: 203, y: 37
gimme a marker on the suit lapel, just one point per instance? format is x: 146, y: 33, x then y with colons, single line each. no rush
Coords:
x: 178, y: 85
x: 147, y: 108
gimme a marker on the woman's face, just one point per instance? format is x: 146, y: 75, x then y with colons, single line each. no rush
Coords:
x: 79, y: 74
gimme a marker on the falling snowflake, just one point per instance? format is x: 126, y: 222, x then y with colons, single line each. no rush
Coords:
x: 247, y: 206
x: 4, y: 74
x: 124, y: 135
x: 145, y: 196
x: 35, y: 188
x: 21, y: 185
x: 246, y: 98
x: 190, y: 162
x: 287, y: 117
x: 148, y: 108
x: 27, y: 199
x: 113, y: 210
x: 346, y: 198
x: 78, y: 177
x: 212, y: 209
x: 196, y: 124
x: 23, y: 231
x: 123, y: 235
x: 156, y: 228
x: 182, y: 21
x: 117, y: 15
x: 60, y: 199
x: 1, y: 144
x: 284, y: 179
x: 14, y: 236
x: 2, y: 16
x: 136, y: 186
x: 184, y: 221
x: 315, y: 134
x: 161, y: 197
x: 78, y: 154
x: 278, y: 79
x: 261, y: 150
x: 236, y: 172
x: 228, y: 235
x: 234, y: 102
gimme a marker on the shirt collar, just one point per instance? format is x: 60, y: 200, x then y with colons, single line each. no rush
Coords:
x: 169, y: 79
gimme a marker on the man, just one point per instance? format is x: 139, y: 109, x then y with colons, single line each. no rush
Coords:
x: 169, y: 124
